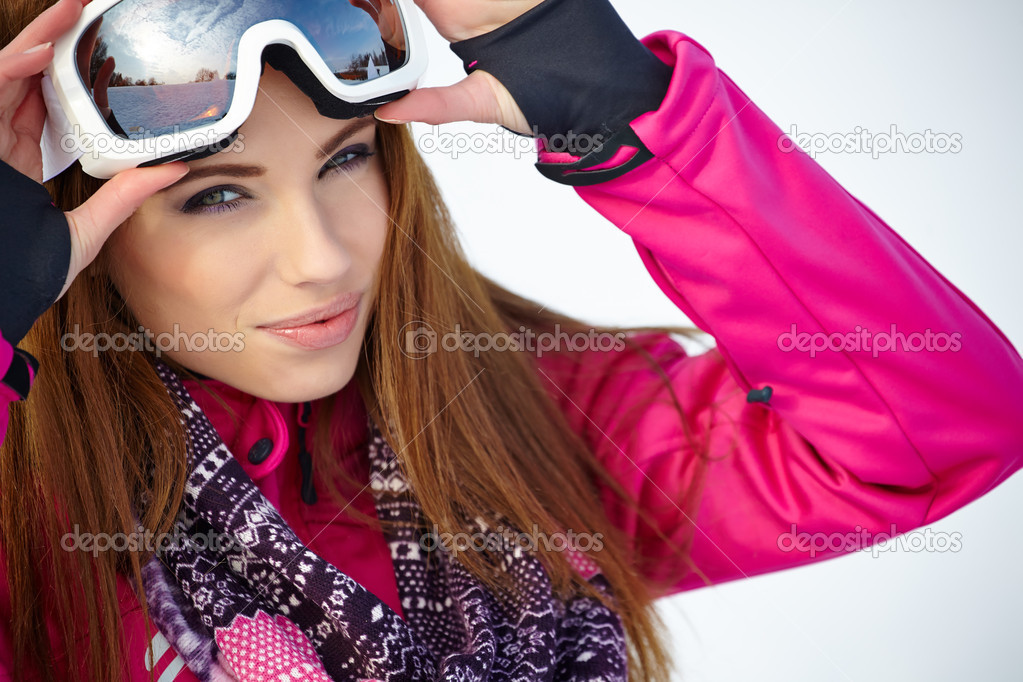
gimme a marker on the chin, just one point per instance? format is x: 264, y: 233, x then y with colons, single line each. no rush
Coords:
x: 298, y: 391
x: 282, y: 380
x: 298, y: 384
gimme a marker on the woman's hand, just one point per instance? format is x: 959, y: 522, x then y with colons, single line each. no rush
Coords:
x: 480, y: 97
x: 103, y: 75
x: 22, y: 113
x: 386, y: 17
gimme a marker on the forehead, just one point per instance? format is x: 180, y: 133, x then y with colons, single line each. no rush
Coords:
x: 284, y: 123
x: 283, y: 106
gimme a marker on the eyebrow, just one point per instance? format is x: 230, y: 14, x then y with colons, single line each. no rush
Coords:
x: 238, y: 170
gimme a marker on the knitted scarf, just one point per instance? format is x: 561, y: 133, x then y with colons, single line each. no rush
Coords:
x: 256, y: 604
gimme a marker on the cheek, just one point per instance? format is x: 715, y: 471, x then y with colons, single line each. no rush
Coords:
x: 190, y: 281
x: 179, y: 280
x: 364, y: 219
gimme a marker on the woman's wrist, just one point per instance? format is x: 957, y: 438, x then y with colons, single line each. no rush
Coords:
x: 573, y: 67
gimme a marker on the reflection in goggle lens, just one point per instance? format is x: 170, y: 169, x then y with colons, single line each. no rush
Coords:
x: 169, y: 66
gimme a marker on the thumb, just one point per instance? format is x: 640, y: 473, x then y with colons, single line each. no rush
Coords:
x: 479, y: 97
x: 96, y: 219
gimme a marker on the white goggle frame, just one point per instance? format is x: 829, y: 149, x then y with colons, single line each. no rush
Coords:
x: 104, y: 154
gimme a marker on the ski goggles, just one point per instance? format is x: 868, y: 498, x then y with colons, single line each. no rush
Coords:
x: 144, y: 82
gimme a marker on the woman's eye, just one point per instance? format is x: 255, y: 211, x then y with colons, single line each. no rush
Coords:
x: 347, y: 159
x: 219, y: 199
x: 213, y: 200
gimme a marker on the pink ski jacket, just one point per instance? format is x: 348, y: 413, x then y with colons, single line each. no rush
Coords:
x: 892, y: 393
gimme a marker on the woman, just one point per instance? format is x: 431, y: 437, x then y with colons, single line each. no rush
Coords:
x: 684, y: 469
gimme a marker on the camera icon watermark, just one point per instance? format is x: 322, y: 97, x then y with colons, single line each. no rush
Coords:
x: 418, y: 340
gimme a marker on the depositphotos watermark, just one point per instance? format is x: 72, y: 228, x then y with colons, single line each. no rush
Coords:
x: 418, y: 340
x: 145, y: 340
x: 863, y: 340
x: 862, y: 141
x: 926, y: 540
x: 509, y: 539
x: 454, y: 144
x: 167, y: 142
x: 144, y: 540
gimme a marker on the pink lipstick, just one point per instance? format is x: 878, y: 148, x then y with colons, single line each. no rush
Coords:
x: 319, y: 328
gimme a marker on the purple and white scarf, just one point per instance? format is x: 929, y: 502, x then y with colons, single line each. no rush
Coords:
x: 264, y: 607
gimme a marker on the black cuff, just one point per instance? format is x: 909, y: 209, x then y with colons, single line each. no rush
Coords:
x: 36, y: 252
x: 19, y: 375
x: 573, y: 66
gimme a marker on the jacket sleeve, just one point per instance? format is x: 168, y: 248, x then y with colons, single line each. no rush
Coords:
x: 17, y: 371
x: 34, y: 258
x: 893, y: 394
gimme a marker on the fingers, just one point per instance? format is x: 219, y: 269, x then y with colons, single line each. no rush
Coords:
x: 47, y: 27
x: 27, y: 121
x: 99, y: 88
x: 17, y: 66
x: 86, y: 46
x: 366, y: 7
x: 93, y: 222
x: 480, y: 98
x: 22, y: 114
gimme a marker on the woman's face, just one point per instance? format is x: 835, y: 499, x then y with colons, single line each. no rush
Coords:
x: 257, y: 245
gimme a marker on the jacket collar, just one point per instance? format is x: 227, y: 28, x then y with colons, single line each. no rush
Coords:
x: 252, y: 428
x: 259, y: 432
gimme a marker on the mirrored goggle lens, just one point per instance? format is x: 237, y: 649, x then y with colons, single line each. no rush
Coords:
x: 157, y: 67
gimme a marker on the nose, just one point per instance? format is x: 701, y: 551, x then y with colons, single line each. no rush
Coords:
x: 310, y: 243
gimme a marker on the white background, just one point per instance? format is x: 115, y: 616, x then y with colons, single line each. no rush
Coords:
x: 825, y: 66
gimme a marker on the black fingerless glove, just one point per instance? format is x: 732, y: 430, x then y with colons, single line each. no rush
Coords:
x: 572, y: 66
x: 35, y: 254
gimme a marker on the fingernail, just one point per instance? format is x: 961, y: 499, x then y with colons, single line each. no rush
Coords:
x: 395, y: 121
x: 37, y: 48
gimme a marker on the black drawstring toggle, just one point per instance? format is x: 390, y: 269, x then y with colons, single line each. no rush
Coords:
x: 760, y: 395
x: 305, y: 459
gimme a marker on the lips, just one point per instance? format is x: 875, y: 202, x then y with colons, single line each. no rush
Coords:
x: 332, y: 309
x: 321, y: 327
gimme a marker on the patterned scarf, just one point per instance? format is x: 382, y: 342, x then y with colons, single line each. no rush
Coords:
x: 263, y: 607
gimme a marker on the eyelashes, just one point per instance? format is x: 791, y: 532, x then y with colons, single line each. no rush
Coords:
x: 347, y: 159
x: 212, y: 201
x: 226, y: 198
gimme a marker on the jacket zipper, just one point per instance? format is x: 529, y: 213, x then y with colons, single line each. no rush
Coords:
x: 305, y: 458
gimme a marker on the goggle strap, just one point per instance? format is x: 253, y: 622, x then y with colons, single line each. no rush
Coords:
x: 286, y: 60
x: 194, y: 154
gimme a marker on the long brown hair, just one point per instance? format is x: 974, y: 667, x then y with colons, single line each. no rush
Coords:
x: 98, y: 447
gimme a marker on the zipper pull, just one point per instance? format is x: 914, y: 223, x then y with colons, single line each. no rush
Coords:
x: 761, y: 395
x: 305, y: 458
